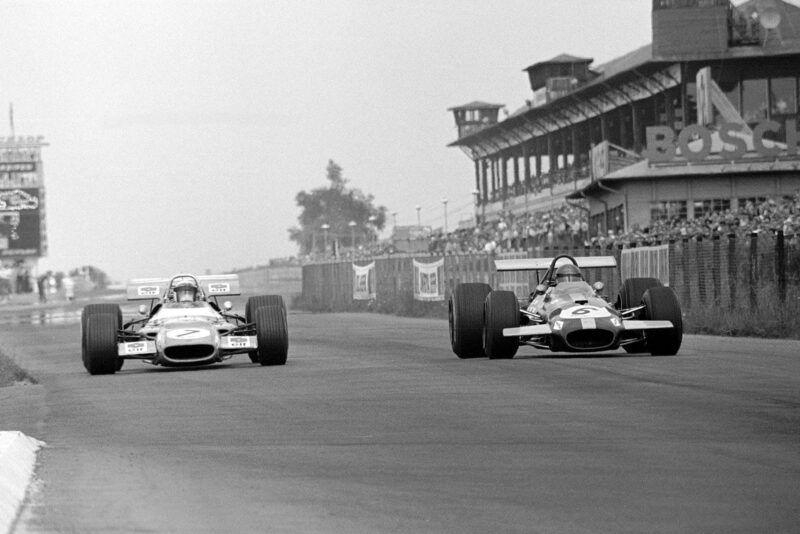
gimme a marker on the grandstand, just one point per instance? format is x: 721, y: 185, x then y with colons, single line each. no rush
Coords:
x: 699, y: 124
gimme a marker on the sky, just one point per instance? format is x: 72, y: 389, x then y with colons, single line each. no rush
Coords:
x: 180, y: 132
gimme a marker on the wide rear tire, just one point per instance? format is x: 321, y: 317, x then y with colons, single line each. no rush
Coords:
x: 630, y: 296
x: 100, y: 352
x: 253, y: 303
x: 465, y: 314
x: 662, y: 305
x: 501, y: 310
x: 250, y: 307
x: 272, y: 335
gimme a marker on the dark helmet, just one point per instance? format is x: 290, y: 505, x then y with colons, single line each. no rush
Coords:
x: 568, y: 273
x: 185, y: 291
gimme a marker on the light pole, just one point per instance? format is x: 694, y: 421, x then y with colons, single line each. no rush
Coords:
x: 352, y: 225
x: 477, y: 195
x: 394, y: 217
x: 444, y: 202
x: 372, y: 219
x: 418, y: 208
x: 325, y: 228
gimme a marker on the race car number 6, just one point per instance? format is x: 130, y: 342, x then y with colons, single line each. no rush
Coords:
x: 585, y: 312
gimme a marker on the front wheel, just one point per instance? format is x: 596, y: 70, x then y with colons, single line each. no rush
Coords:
x: 250, y: 307
x: 465, y: 315
x: 661, y: 304
x: 100, y: 351
x: 501, y: 310
x: 95, y: 309
x: 630, y: 296
x: 272, y: 335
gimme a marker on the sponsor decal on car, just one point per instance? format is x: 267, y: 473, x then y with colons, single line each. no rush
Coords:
x: 133, y: 348
x: 219, y: 287
x: 237, y: 342
x: 147, y: 291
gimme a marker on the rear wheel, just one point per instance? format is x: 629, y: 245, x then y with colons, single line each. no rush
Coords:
x: 100, y: 352
x: 465, y: 314
x: 501, y: 310
x: 250, y: 307
x: 662, y: 305
x: 253, y: 303
x: 630, y: 296
x: 272, y: 335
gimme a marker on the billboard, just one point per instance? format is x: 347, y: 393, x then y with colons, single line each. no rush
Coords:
x: 22, y: 213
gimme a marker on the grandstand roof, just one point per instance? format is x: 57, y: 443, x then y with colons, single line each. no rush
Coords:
x: 561, y: 58
x: 477, y: 104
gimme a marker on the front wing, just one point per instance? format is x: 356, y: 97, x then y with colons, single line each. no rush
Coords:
x: 146, y: 347
x: 544, y: 329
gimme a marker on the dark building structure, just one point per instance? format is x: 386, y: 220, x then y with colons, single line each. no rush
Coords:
x: 703, y: 119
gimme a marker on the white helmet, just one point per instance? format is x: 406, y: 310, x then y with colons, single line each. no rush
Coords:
x: 185, y: 291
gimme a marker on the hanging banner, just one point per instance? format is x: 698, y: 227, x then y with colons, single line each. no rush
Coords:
x: 428, y: 280
x: 599, y: 157
x: 645, y: 262
x: 364, y: 281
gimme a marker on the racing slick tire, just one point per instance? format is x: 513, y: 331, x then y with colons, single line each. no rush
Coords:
x: 465, y: 317
x: 501, y: 310
x: 100, y: 352
x: 253, y: 303
x: 94, y: 309
x: 272, y: 335
x: 250, y: 307
x: 630, y: 295
x: 662, y: 305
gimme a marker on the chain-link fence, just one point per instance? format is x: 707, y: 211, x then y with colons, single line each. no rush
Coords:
x: 726, y: 284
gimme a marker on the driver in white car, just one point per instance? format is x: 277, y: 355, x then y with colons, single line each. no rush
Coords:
x: 186, y: 291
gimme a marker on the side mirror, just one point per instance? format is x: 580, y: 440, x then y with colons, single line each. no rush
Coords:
x: 227, y: 305
x: 143, y: 309
x: 541, y: 288
x: 598, y: 286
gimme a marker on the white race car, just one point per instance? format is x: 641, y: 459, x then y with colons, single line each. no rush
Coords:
x: 184, y: 325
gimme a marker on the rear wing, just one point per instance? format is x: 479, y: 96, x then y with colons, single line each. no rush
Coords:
x: 218, y: 285
x: 541, y: 264
x: 146, y: 288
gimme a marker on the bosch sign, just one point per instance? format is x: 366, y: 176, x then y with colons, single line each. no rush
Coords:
x: 662, y: 148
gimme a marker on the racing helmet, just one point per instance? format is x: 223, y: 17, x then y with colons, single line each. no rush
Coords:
x: 568, y: 273
x: 185, y: 291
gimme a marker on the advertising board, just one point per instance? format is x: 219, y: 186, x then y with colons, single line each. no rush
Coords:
x: 22, y: 213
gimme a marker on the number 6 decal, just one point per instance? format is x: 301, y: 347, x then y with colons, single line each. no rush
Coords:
x: 585, y: 312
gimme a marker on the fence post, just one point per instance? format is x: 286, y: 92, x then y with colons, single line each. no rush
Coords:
x: 715, y: 270
x: 701, y: 271
x: 687, y: 280
x: 780, y: 271
x: 733, y: 271
x: 753, y: 269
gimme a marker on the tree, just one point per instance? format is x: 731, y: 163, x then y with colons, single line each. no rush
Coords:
x: 336, y: 206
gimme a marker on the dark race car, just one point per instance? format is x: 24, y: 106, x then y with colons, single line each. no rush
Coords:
x: 184, y: 325
x: 564, y: 313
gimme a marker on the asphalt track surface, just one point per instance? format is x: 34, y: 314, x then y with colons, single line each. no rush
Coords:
x: 375, y: 426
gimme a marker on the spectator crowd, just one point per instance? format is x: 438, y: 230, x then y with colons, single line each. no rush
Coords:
x: 568, y: 226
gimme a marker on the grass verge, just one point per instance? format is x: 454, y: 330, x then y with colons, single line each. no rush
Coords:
x: 11, y: 373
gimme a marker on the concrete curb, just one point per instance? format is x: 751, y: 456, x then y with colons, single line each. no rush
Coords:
x: 17, y: 461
